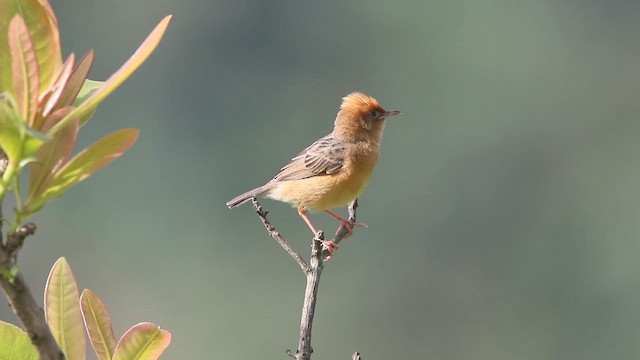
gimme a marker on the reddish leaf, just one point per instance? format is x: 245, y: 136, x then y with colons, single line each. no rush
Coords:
x: 78, y: 76
x: 87, y: 162
x: 26, y: 79
x: 49, y: 11
x: 98, y: 324
x: 144, y: 341
x: 58, y: 86
x: 43, y: 28
x: 119, y: 76
x: 52, y: 155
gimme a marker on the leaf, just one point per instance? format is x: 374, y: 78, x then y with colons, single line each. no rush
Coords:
x: 52, y: 156
x: 49, y: 11
x: 144, y: 341
x: 43, y: 28
x: 143, y: 52
x: 26, y: 78
x: 98, y: 325
x: 62, y: 310
x: 77, y: 79
x: 57, y: 88
x: 89, y: 87
x: 87, y: 162
x: 16, y: 344
x: 16, y: 139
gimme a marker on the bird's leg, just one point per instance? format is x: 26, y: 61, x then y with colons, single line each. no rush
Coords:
x: 328, y: 245
x: 344, y: 223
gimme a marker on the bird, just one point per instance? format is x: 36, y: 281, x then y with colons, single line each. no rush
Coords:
x: 335, y: 169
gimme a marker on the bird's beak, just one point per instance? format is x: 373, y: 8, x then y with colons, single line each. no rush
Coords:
x: 392, y: 113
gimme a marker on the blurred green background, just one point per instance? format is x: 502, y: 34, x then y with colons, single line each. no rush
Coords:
x: 503, y: 215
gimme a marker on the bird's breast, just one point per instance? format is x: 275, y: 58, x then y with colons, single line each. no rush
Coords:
x: 330, y: 191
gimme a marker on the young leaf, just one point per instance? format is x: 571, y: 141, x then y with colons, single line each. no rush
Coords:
x: 89, y: 87
x: 57, y: 88
x: 26, y: 78
x: 76, y: 80
x: 87, y: 162
x: 10, y: 127
x: 52, y: 155
x: 43, y: 28
x: 144, y: 341
x: 16, y: 139
x: 62, y: 310
x: 15, y: 343
x: 119, y: 76
x: 98, y: 325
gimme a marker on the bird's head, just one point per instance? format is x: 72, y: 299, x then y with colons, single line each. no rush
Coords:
x: 361, y: 117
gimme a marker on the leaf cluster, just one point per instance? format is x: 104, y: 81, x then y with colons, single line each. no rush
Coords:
x: 44, y: 102
x: 69, y: 315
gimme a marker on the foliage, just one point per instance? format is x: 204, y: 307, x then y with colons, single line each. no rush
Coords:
x: 69, y: 315
x: 44, y: 102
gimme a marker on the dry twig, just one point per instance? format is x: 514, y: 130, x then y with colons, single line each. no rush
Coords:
x: 312, y: 271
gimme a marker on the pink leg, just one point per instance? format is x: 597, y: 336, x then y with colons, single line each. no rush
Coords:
x: 328, y: 245
x: 345, y: 223
x: 303, y: 215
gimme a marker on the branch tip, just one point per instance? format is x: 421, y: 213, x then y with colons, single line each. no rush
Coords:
x: 271, y: 230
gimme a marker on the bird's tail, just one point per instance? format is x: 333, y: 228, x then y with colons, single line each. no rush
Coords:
x: 243, y: 198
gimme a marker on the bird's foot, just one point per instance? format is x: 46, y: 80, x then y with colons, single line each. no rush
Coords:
x: 349, y: 225
x: 330, y: 247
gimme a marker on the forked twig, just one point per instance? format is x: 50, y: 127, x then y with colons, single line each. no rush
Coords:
x: 312, y: 271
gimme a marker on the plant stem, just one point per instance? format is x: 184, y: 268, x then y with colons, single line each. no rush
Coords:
x: 15, y: 287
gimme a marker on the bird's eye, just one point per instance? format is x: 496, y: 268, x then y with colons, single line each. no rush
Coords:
x: 374, y: 113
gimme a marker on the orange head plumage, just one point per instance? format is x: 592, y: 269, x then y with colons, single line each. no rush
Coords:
x: 361, y: 117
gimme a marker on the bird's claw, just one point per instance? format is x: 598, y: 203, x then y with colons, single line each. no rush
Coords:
x: 330, y: 247
x: 349, y: 225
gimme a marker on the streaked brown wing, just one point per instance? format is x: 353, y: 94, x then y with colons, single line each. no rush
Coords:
x: 323, y: 157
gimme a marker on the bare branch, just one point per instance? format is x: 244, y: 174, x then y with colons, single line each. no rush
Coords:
x: 20, y: 297
x: 15, y: 241
x: 343, y: 231
x: 313, y: 270
x: 310, y: 298
x: 271, y: 230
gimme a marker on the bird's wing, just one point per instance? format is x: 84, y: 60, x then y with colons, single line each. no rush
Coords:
x: 323, y: 157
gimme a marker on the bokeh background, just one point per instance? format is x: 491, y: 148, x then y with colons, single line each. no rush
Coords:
x: 503, y: 216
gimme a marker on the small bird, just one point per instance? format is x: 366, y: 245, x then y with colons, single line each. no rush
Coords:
x: 334, y: 170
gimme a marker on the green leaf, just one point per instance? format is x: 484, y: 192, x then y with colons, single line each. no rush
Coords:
x: 26, y: 78
x: 89, y: 87
x: 43, y: 28
x: 62, y: 310
x: 144, y: 341
x: 16, y: 344
x: 16, y: 139
x: 118, y: 77
x: 98, y: 325
x: 87, y: 162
